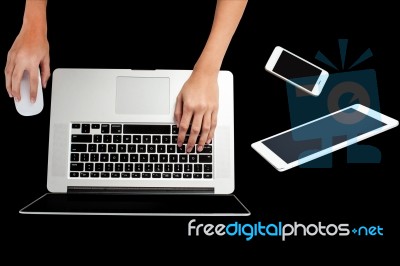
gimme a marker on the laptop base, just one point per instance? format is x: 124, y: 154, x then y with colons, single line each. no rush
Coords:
x: 136, y: 205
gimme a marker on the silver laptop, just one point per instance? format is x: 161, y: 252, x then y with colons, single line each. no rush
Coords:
x: 112, y: 148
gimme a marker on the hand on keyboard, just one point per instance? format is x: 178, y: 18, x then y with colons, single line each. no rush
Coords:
x: 197, y: 103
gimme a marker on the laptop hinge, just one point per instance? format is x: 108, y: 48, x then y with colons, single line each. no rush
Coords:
x: 141, y: 190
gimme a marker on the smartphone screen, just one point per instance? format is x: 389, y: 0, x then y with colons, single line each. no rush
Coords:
x: 297, y: 70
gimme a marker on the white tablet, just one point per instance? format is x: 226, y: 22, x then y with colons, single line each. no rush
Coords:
x: 322, y: 136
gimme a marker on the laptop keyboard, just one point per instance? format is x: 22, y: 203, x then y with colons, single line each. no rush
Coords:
x: 110, y: 150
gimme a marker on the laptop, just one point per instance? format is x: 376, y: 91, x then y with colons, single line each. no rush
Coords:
x: 112, y: 148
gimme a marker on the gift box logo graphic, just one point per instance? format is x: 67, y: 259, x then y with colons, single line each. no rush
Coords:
x: 343, y: 88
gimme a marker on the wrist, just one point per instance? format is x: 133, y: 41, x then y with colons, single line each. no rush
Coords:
x: 34, y: 20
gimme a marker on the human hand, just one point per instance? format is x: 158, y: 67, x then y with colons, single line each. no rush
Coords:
x: 197, y: 104
x: 29, y: 51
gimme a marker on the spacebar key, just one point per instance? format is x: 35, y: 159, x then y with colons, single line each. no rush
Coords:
x: 147, y: 129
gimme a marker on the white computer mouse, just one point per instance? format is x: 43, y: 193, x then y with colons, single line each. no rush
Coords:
x: 24, y: 106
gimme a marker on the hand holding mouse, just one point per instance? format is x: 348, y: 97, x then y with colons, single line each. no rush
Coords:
x: 26, y: 106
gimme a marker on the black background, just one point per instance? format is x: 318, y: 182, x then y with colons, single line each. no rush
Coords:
x: 171, y: 35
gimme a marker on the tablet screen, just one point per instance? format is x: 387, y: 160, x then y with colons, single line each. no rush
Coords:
x: 321, y: 134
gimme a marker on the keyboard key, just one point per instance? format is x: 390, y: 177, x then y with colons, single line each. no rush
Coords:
x: 115, y: 175
x: 158, y: 167
x: 205, y: 158
x: 121, y: 148
x: 183, y: 158
x: 85, y: 128
x: 146, y: 175
x: 156, y: 139
x: 94, y: 157
x: 207, y: 175
x: 94, y: 174
x: 97, y: 138
x: 105, y: 128
x: 109, y: 167
x: 206, y: 149
x: 208, y: 168
x: 173, y: 158
x: 128, y: 167
x: 135, y: 175
x: 138, y: 167
x: 102, y: 148
x: 160, y: 148
x: 126, y: 139
x: 148, y: 167
x: 133, y: 157
x: 76, y: 125
x: 73, y: 174
x: 175, y: 129
x: 81, y: 138
x: 119, y: 167
x: 88, y: 167
x: 154, y: 158
x: 144, y: 158
x: 146, y: 139
x: 166, y: 175
x: 98, y: 167
x: 198, y: 168
x: 84, y: 157
x: 192, y: 158
x: 141, y: 148
x: 123, y: 157
x: 131, y: 148
x: 178, y: 167
x: 166, y: 139
x: 84, y: 174
x: 105, y: 175
x: 171, y: 148
x: 95, y: 126
x: 92, y: 147
x: 136, y: 139
x: 156, y: 175
x: 187, y: 167
x: 163, y: 158
x: 187, y: 175
x: 107, y: 138
x: 197, y: 175
x: 151, y: 148
x: 147, y: 129
x: 74, y: 157
x: 175, y: 139
x: 176, y: 175
x: 78, y: 147
x: 104, y: 157
x: 180, y: 149
x: 112, y: 148
x: 125, y: 175
x: 168, y: 167
x: 117, y: 139
x: 116, y: 129
x: 114, y: 157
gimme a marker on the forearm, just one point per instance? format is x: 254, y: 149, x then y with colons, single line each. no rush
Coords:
x: 35, y: 16
x: 226, y: 19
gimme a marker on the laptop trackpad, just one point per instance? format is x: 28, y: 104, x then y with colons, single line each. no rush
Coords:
x: 142, y: 96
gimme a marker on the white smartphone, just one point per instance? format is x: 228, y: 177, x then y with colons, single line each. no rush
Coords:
x: 322, y: 136
x: 297, y: 71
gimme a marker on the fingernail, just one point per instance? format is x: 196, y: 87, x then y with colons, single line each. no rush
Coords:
x: 32, y: 100
x: 188, y: 150
x: 208, y: 141
x: 45, y: 84
x: 179, y: 144
x: 199, y: 148
x: 16, y: 99
x: 9, y: 94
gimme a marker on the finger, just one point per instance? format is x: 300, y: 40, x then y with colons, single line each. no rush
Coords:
x: 184, y: 126
x: 214, y: 117
x: 195, y: 131
x: 45, y: 71
x: 8, y: 73
x: 33, y: 82
x: 16, y: 82
x: 205, y: 130
x: 178, y: 110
